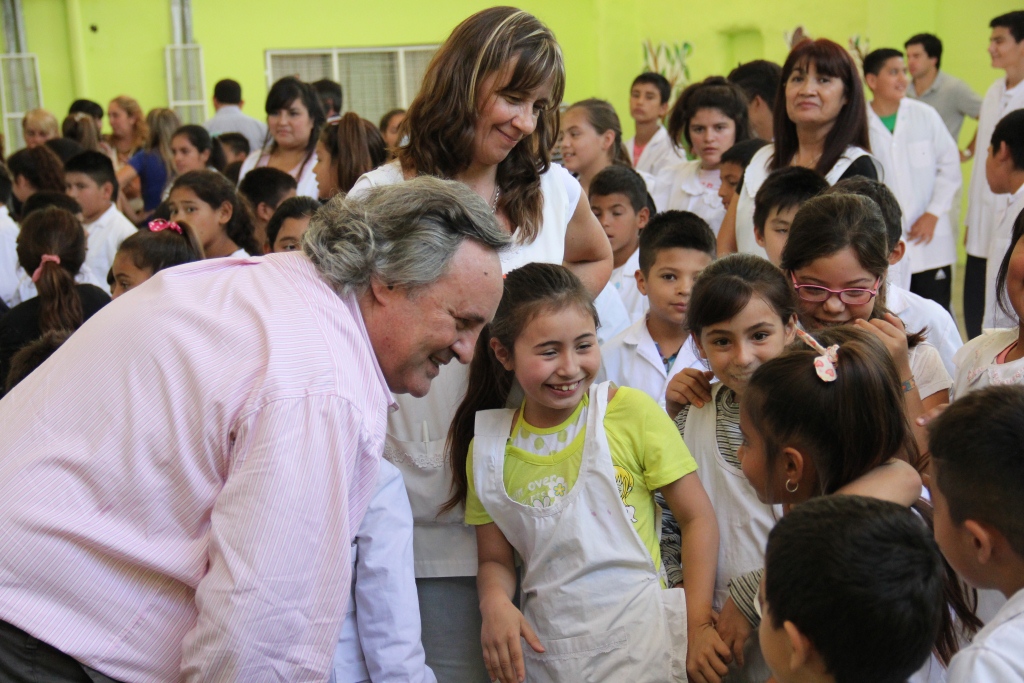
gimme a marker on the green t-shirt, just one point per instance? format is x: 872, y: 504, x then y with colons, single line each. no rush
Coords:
x: 647, y: 453
x: 889, y: 122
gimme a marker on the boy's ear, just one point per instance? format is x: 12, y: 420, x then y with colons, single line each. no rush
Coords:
x: 641, y: 283
x: 264, y: 212
x: 871, y: 80
x: 897, y: 254
x: 985, y: 541
x: 801, y: 651
x: 502, y: 354
x: 759, y: 236
x: 642, y: 216
x: 662, y: 110
x: 107, y: 189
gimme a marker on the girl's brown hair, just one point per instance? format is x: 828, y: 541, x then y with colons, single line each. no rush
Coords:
x: 713, y: 92
x: 602, y: 117
x: 54, y: 232
x: 81, y: 128
x: 356, y: 147
x: 40, y: 166
x: 214, y: 189
x: 131, y: 107
x: 162, y: 124
x: 441, y: 121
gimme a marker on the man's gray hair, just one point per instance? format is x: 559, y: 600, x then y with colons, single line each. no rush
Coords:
x: 402, y: 235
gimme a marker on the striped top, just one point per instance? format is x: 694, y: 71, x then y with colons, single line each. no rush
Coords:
x: 180, y: 483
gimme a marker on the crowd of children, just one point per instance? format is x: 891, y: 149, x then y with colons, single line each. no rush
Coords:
x: 761, y: 452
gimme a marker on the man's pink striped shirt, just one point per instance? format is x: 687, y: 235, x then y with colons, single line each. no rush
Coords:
x: 180, y: 483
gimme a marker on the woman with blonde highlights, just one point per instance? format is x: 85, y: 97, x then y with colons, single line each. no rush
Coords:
x: 486, y: 115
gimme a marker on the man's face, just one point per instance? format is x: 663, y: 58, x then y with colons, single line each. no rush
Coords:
x: 918, y: 61
x: 415, y: 332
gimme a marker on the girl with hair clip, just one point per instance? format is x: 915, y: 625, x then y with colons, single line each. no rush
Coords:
x: 347, y: 148
x: 294, y: 120
x: 222, y: 221
x: 566, y: 479
x: 51, y: 246
x: 486, y: 115
x: 81, y: 128
x: 153, y: 166
x: 592, y: 141
x: 821, y: 123
x: 192, y: 149
x: 711, y: 117
x: 801, y: 439
x: 163, y: 244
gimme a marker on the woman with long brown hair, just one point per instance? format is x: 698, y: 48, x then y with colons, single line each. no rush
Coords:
x: 486, y: 115
x: 154, y: 165
x: 347, y: 148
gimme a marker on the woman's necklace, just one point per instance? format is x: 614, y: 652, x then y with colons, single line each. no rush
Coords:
x: 494, y: 202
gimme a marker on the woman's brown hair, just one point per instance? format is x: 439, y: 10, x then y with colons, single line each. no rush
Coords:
x: 141, y: 131
x: 602, y: 117
x: 54, y: 232
x: 441, y: 120
x: 356, y: 147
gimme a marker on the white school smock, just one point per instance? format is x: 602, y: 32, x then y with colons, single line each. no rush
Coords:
x: 976, y: 366
x: 444, y: 545
x: 917, y: 313
x: 679, y: 187
x: 996, y: 655
x: 982, y: 203
x: 611, y: 313
x: 380, y: 637
x: 306, y: 179
x: 9, y: 276
x: 921, y: 164
x: 658, y: 153
x: 754, y: 176
x: 929, y: 372
x: 632, y: 359
x: 105, y: 235
x: 998, y: 242
x: 590, y: 589
x: 623, y: 279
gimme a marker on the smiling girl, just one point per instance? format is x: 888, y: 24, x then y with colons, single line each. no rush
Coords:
x: 592, y: 140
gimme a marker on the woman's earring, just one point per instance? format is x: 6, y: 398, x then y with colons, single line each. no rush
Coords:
x: 795, y: 484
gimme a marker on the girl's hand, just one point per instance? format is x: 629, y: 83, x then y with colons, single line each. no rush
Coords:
x: 689, y: 386
x: 892, y: 333
x: 503, y: 624
x: 707, y: 656
x: 734, y: 629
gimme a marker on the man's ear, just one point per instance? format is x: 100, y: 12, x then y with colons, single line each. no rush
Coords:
x: 384, y: 294
x: 502, y: 354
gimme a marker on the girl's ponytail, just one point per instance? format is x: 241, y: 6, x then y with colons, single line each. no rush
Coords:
x: 51, y: 246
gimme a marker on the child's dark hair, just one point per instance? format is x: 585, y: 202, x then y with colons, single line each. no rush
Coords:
x: 675, y: 229
x: 601, y: 115
x: 1013, y: 22
x: 293, y: 207
x: 155, y: 251
x: 65, y: 148
x: 266, y: 185
x: 658, y: 81
x: 32, y: 355
x: 81, y: 128
x: 1010, y: 130
x: 200, y: 138
x: 874, y: 563
x: 931, y: 45
x: 236, y: 142
x: 876, y: 59
x: 783, y: 189
x: 329, y: 93
x: 214, y: 189
x: 288, y: 90
x: 385, y: 120
x: 533, y: 289
x: 40, y: 166
x: 54, y: 232
x: 976, y: 446
x: 97, y: 166
x: 93, y: 109
x: 883, y: 198
x: 43, y: 200
x: 227, y: 91
x: 725, y: 287
x: 713, y: 92
x: 622, y: 180
x: 759, y: 78
x: 741, y: 153
x: 5, y: 184
x: 356, y: 147
x: 1004, y: 269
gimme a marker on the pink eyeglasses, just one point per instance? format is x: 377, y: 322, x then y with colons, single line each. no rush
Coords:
x: 853, y: 296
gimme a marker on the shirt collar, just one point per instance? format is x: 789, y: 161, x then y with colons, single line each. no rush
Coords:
x: 352, y: 303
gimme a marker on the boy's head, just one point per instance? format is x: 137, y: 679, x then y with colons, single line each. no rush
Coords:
x: 90, y: 108
x: 886, y: 74
x: 44, y: 200
x: 330, y: 96
x: 227, y: 91
x: 886, y: 201
x: 976, y: 447
x: 618, y: 198
x: 289, y: 222
x: 1006, y: 44
x: 759, y: 80
x: 5, y: 185
x: 674, y: 247
x: 32, y: 355
x: 235, y: 146
x: 91, y: 181
x: 776, y: 203
x: 648, y: 97
x: 924, y: 53
x: 734, y: 162
x: 266, y: 188
x: 1006, y: 153
x: 852, y: 592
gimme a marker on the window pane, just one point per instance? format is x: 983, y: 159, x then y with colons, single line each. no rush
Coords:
x: 369, y: 81
x: 307, y: 67
x: 416, y: 62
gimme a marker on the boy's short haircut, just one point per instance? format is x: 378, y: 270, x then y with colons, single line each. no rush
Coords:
x: 93, y: 109
x: 293, y: 207
x: 876, y: 59
x: 977, y: 445
x: 783, y: 189
x: 671, y: 230
x: 97, y: 166
x: 863, y: 580
x: 1010, y: 130
x: 741, y: 153
x: 266, y: 186
x: 329, y: 93
x: 232, y: 171
x: 64, y: 148
x: 759, y: 78
x: 658, y: 81
x: 881, y: 195
x: 6, y: 183
x: 622, y: 180
x: 32, y: 355
x: 48, y: 198
x: 931, y: 45
x: 238, y: 143
x: 1012, y: 21
x: 228, y: 91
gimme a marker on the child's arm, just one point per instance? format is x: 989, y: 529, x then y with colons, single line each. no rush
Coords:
x: 727, y: 233
x: 707, y: 655
x: 588, y: 253
x: 503, y: 624
x: 895, y: 481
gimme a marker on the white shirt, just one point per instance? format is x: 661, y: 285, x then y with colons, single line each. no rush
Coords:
x: 921, y: 164
x: 928, y: 370
x: 982, y: 203
x: 27, y: 289
x: 917, y: 313
x: 105, y: 235
x: 658, y: 153
x: 623, y: 279
x: 996, y: 655
x: 231, y: 119
x: 976, y: 366
x: 611, y: 313
x: 685, y: 187
x: 380, y: 637
x: 9, y: 276
x: 632, y: 359
x: 306, y: 179
x: 1012, y: 206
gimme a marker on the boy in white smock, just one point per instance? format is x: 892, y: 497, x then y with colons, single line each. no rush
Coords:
x: 651, y: 149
